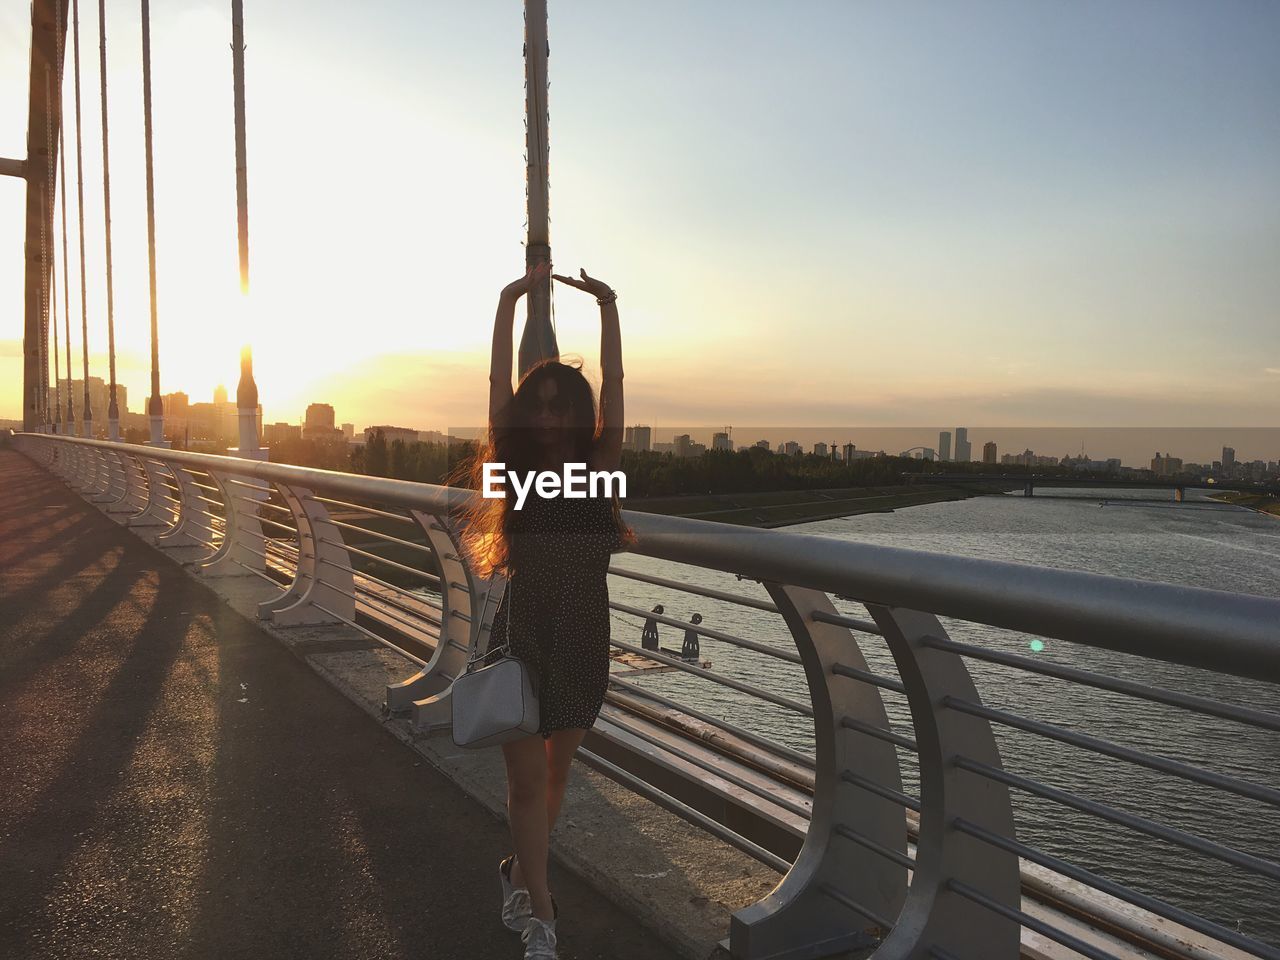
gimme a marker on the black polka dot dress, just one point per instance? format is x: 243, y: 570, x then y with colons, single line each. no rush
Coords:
x: 556, y: 607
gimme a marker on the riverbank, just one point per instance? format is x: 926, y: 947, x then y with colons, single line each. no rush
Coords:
x: 784, y: 507
x: 1260, y: 502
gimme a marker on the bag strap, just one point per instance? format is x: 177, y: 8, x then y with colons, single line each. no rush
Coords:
x: 506, y: 647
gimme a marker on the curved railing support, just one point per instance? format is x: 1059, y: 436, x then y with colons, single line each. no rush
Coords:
x: 935, y: 914
x: 323, y: 590
x: 426, y: 693
x: 808, y: 914
x: 156, y: 511
x: 242, y: 550
x: 191, y: 528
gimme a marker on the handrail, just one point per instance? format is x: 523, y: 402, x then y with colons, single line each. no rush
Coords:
x: 1145, y: 618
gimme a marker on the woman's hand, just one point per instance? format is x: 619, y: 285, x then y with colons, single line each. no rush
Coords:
x: 518, y: 288
x: 597, y: 288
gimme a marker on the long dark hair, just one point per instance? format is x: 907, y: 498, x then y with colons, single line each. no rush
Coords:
x: 511, y: 441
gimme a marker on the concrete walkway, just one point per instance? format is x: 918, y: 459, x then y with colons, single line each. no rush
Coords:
x: 175, y: 784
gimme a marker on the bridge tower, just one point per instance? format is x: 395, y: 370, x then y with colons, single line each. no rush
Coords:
x: 44, y: 117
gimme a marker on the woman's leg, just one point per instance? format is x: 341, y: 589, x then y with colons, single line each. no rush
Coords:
x: 559, y: 750
x: 527, y: 810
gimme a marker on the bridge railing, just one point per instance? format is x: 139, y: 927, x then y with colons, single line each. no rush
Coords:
x: 936, y: 822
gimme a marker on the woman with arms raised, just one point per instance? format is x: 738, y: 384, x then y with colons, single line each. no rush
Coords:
x: 555, y: 554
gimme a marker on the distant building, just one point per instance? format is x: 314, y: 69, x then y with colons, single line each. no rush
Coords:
x: 1228, y: 461
x: 277, y: 432
x: 392, y: 434
x: 1166, y: 466
x: 318, y: 424
x: 790, y: 448
x: 99, y: 398
x: 988, y: 451
x: 819, y: 449
x: 944, y: 445
x: 964, y: 451
x: 686, y: 447
x: 318, y: 415
x: 637, y: 438
x: 762, y: 444
x: 720, y: 441
x: 219, y: 394
x: 349, y: 430
x: 848, y: 452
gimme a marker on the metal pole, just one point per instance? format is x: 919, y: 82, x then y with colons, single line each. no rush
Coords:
x: 247, y: 390
x: 113, y: 409
x: 538, y: 341
x: 84, y: 302
x: 155, y: 406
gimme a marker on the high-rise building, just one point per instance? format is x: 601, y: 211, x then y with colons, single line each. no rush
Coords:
x: 349, y: 430
x: 819, y: 449
x: 944, y: 445
x: 1228, y: 460
x: 964, y: 452
x: 637, y: 438
x: 219, y: 394
x: 762, y: 444
x: 989, y: 452
x: 720, y: 441
x: 847, y: 454
x: 319, y: 415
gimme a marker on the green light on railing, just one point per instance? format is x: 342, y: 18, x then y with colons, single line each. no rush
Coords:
x: 1037, y: 645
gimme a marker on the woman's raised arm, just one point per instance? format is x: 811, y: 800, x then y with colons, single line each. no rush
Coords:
x: 608, y: 454
x: 500, y: 391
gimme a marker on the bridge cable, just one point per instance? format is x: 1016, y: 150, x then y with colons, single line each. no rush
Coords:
x: 46, y: 219
x: 52, y: 265
x: 62, y: 183
x: 155, y: 406
x: 84, y: 302
x: 113, y: 408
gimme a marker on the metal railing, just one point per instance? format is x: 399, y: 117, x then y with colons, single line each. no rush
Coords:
x: 894, y: 812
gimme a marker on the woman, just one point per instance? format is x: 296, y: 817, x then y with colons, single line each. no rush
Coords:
x: 555, y: 555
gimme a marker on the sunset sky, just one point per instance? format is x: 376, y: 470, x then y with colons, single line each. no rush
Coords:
x: 1006, y: 213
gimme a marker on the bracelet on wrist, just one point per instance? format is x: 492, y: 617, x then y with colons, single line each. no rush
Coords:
x: 609, y: 297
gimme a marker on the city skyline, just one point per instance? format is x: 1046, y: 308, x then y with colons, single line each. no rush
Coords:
x: 1134, y: 446
x: 1061, y: 218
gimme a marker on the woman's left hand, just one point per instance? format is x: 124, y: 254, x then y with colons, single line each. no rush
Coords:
x: 597, y: 288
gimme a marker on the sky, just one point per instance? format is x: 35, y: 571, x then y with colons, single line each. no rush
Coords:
x: 1011, y: 213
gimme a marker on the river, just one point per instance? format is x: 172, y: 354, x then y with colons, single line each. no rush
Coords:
x: 1199, y: 542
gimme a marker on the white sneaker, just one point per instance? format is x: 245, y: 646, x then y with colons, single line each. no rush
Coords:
x: 517, y: 906
x: 539, y: 939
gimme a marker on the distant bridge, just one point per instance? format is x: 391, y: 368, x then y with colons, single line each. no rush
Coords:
x: 1029, y: 483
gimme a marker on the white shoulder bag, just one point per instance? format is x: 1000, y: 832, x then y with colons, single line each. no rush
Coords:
x: 496, y: 702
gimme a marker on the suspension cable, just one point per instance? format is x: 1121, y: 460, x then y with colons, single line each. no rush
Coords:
x: 113, y: 408
x: 52, y: 264
x: 42, y: 404
x: 62, y: 183
x: 84, y: 303
x: 155, y: 406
